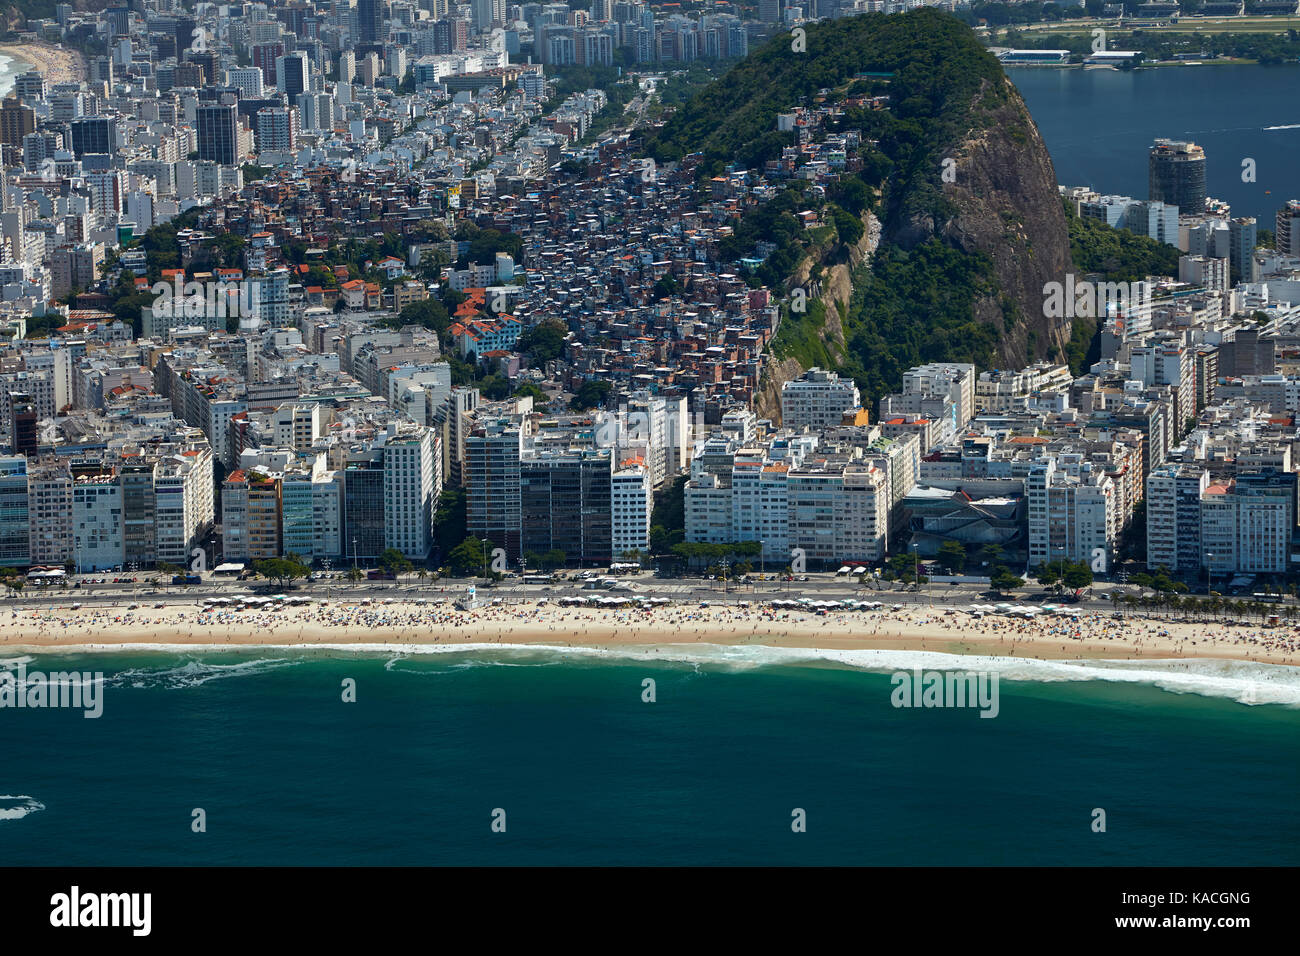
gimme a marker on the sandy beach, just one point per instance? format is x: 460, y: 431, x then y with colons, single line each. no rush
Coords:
x: 945, y: 630
x: 56, y: 64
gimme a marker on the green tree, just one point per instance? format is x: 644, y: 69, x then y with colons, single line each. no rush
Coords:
x: 543, y: 342
x: 1077, y: 576
x: 1049, y: 574
x: 283, y: 571
x: 391, y: 561
x: 952, y: 557
x: 1003, y: 580
x: 466, y: 558
x: 590, y: 394
x: 449, y: 520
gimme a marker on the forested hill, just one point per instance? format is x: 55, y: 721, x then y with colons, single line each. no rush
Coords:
x: 931, y: 65
x: 964, y: 257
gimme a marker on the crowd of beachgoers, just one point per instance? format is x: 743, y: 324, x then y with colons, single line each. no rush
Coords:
x: 307, y: 620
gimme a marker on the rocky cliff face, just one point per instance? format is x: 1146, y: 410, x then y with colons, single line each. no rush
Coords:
x: 999, y: 200
x: 1004, y: 203
x: 837, y: 290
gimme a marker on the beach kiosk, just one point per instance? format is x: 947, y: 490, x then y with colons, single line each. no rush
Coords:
x: 470, y: 599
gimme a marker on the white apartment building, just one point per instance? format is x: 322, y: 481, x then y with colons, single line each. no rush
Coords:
x: 183, y: 504
x: 49, y: 494
x: 412, y: 485
x: 760, y: 506
x: 1247, y: 524
x: 818, y: 400
x: 297, y: 425
x: 1167, y: 364
x: 708, y: 510
x: 97, y: 533
x: 1174, y: 517
x: 1072, y: 513
x: 999, y: 392
x: 631, y: 501
x: 327, y: 514
x: 234, y: 520
x: 838, y: 511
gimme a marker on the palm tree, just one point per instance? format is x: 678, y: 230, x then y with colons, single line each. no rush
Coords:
x: 422, y: 575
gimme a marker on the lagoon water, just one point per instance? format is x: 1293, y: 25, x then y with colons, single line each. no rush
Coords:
x: 589, y: 773
x: 1099, y: 125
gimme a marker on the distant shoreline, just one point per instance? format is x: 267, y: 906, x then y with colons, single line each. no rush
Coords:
x: 57, y: 64
x: 18, y: 65
x: 1146, y: 65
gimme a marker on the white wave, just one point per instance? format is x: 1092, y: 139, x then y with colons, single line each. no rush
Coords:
x: 393, y: 665
x: 28, y: 805
x: 1243, y: 681
x: 195, y: 673
x: 1292, y: 126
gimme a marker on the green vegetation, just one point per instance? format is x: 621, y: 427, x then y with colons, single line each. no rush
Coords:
x: 529, y: 390
x: 938, y: 68
x: 952, y: 557
x: 1075, y: 575
x: 467, y: 558
x: 548, y: 560
x: 699, y: 551
x: 429, y: 314
x: 484, y: 244
x: 1160, y: 582
x: 283, y: 571
x: 912, y: 305
x: 799, y: 336
x: 393, y: 562
x: 544, y: 341
x: 1002, y: 580
x: 1120, y: 255
x: 916, y: 307
x: 668, y: 519
x: 591, y: 394
x: 449, y: 519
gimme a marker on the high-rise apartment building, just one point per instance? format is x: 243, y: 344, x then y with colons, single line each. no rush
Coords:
x: 1176, y: 175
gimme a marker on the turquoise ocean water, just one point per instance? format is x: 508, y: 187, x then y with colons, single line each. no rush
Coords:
x: 589, y: 773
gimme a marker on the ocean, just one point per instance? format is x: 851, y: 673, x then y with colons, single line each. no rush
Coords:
x: 1099, y: 126
x: 10, y: 67
x: 560, y: 746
